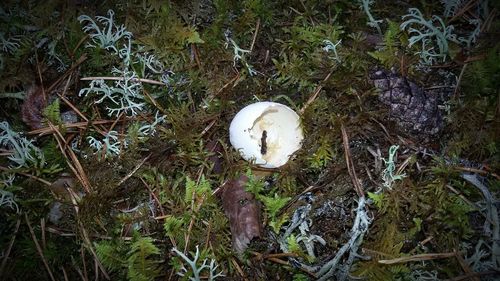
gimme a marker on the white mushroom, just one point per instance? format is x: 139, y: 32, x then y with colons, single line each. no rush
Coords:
x: 266, y: 133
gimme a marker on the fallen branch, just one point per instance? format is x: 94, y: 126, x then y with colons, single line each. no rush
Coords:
x: 38, y: 248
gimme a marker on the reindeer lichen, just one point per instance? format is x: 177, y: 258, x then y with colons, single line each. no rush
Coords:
x: 24, y: 153
x: 196, y: 269
x: 430, y: 33
x: 107, y: 36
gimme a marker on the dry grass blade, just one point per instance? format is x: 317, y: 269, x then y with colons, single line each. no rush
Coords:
x: 257, y: 27
x: 465, y: 266
x: 136, y: 168
x: 38, y: 248
x: 315, y: 94
x: 350, y: 164
x: 79, y: 125
x: 67, y: 73
x: 47, y: 183
x: 422, y: 257
x: 72, y: 160
x: 464, y: 9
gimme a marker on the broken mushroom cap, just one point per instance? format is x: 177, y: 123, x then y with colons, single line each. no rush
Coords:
x: 266, y: 133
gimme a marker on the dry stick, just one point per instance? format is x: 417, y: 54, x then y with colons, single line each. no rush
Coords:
x: 455, y: 92
x: 238, y: 268
x: 114, y: 123
x: 77, y: 169
x: 154, y: 102
x: 257, y: 26
x: 313, y: 97
x: 478, y: 171
x: 462, y: 11
x: 79, y: 125
x: 465, y: 266
x: 136, y: 168
x: 472, y: 205
x: 68, y: 72
x: 487, y: 22
x: 96, y: 270
x: 422, y: 257
x: 64, y: 274
x: 78, y: 269
x: 38, y: 248
x: 142, y: 80
x: 42, y: 229
x: 154, y: 197
x: 82, y: 254
x: 68, y: 234
x: 79, y: 44
x: 39, y: 72
x: 9, y: 248
x: 47, y: 183
x: 67, y: 102
x: 196, y: 56
x: 350, y: 164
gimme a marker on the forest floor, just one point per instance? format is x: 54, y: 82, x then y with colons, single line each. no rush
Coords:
x: 116, y: 163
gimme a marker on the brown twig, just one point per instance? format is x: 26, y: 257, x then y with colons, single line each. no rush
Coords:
x: 39, y: 72
x: 96, y: 270
x: 68, y: 103
x: 42, y: 230
x: 67, y: 73
x: 68, y: 154
x: 9, y: 248
x: 82, y: 255
x: 154, y: 197
x: 47, y: 183
x: 38, y: 248
x: 350, y: 164
x: 238, y: 269
x: 463, y: 10
x: 257, y: 27
x: 79, y: 125
x: 455, y: 92
x: 196, y: 55
x: 69, y: 234
x: 465, y: 266
x: 478, y: 171
x: 64, y: 274
x: 79, y: 44
x: 154, y: 102
x: 422, y: 257
x: 315, y: 94
x: 136, y: 168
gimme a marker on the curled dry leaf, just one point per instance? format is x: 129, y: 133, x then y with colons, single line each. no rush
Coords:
x: 243, y: 212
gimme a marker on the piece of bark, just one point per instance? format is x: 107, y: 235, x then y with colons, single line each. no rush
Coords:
x: 243, y: 212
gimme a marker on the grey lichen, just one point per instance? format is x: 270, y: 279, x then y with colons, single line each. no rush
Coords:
x: 23, y: 152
